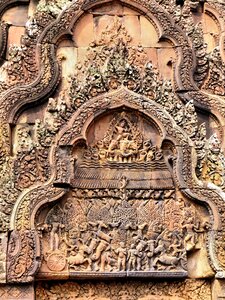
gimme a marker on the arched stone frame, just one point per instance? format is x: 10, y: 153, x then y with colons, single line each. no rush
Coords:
x: 19, y: 98
x: 28, y: 205
x: 218, y: 16
x: 4, y: 5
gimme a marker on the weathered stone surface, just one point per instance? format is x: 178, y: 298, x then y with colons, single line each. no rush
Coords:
x: 112, y: 146
x: 15, y: 291
x: 16, y: 16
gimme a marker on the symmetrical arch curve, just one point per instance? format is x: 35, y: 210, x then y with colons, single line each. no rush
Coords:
x: 28, y: 205
x: 64, y: 24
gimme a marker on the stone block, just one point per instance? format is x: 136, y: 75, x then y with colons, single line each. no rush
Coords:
x: 66, y: 43
x: 165, y: 58
x: 84, y: 31
x: 129, y: 11
x: 14, y: 35
x: 69, y: 60
x: 210, y: 40
x: 114, y: 8
x: 81, y: 54
x: 16, y: 16
x: 31, y: 115
x: 198, y: 264
x: 132, y: 24
x: 152, y: 56
x: 165, y: 44
x: 101, y: 23
x: 32, y: 7
x: 209, y: 25
x: 149, y: 36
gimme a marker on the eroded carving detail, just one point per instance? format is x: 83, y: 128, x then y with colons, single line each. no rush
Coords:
x: 129, y: 290
x: 123, y: 179
x: 119, y: 222
x: 215, y: 83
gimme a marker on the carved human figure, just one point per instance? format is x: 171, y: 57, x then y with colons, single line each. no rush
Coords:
x: 132, y: 258
x: 122, y: 132
x: 93, y: 242
x: 150, y: 252
x: 71, y: 243
x: 176, y: 244
x: 190, y: 235
x: 128, y: 148
x: 97, y: 256
x: 160, y: 244
x: 140, y: 253
x: 168, y: 258
x: 54, y: 236
x: 106, y: 259
x: 122, y: 256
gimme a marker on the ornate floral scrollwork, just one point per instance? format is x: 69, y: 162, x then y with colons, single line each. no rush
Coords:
x: 108, y: 186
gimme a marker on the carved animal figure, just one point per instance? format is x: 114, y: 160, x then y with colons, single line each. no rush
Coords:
x: 101, y: 247
x: 168, y: 260
x: 79, y: 258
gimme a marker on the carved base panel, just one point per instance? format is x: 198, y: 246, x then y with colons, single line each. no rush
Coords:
x: 127, y: 290
x: 189, y: 289
x: 18, y: 292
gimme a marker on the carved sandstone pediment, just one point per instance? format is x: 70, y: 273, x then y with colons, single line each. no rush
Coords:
x: 111, y: 148
x: 124, y: 215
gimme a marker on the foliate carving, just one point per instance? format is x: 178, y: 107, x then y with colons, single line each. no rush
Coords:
x: 110, y: 63
x: 57, y: 113
x: 220, y: 246
x: 25, y: 291
x: 212, y: 163
x: 118, y: 223
x: 109, y: 67
x: 32, y: 153
x: 21, y: 65
x: 202, y: 60
x: 3, y: 38
x: 182, y: 13
x: 3, y: 251
x: 22, y: 249
x: 155, y: 10
x: 7, y: 188
x: 188, y: 289
x: 53, y: 7
x: 215, y: 81
x: 15, y: 67
x: 218, y: 5
x: 121, y: 208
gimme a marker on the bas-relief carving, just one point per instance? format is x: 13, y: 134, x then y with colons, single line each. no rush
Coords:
x: 117, y: 179
x: 118, y: 221
x: 127, y: 290
x: 8, y: 292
